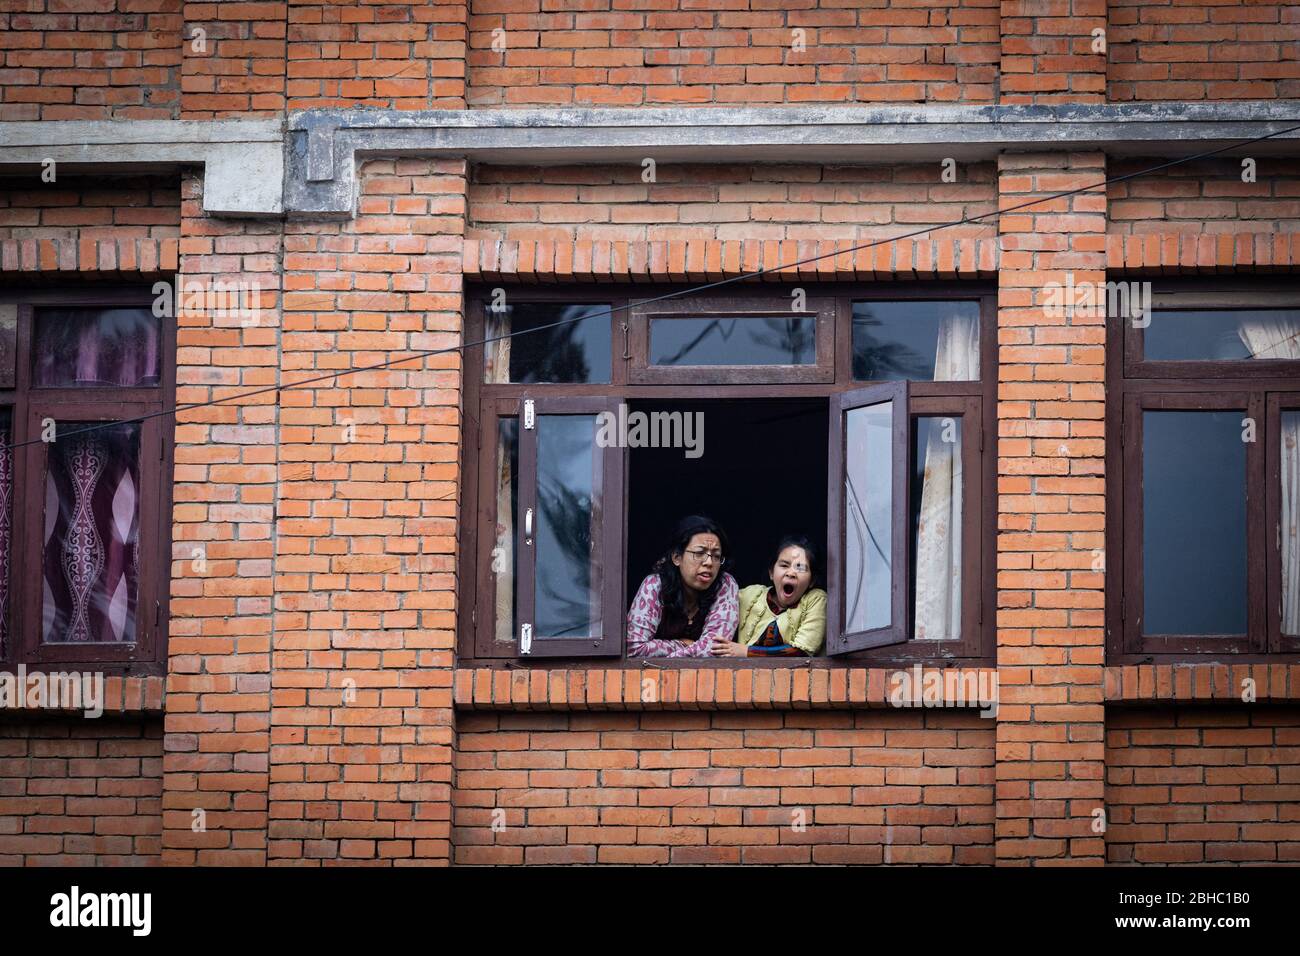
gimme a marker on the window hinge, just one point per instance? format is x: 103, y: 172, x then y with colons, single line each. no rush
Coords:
x: 530, y: 414
x: 157, y: 614
x: 526, y: 639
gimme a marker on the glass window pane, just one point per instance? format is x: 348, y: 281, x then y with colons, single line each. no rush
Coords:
x: 1194, y: 522
x: 90, y: 564
x: 734, y: 340
x: 568, y: 574
x: 577, y: 351
x: 6, y: 520
x: 916, y: 340
x: 1222, y: 335
x: 868, y: 518
x: 89, y: 348
x: 936, y: 528
x: 1289, y: 537
x: 505, y: 562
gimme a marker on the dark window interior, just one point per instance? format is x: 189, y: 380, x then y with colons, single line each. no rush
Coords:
x: 1194, y: 522
x: 762, y: 474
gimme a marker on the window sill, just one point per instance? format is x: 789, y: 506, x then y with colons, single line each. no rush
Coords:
x: 123, y: 697
x: 1147, y: 683
x: 688, y: 688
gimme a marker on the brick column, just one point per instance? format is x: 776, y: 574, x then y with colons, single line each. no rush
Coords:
x: 218, y: 684
x: 1051, y: 510
x: 362, y: 727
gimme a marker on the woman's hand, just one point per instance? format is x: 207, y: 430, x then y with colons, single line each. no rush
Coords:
x: 722, y: 648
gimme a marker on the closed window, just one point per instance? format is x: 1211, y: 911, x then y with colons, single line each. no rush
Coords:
x: 85, y: 480
x: 1203, y: 545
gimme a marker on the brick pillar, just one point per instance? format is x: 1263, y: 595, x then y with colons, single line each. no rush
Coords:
x: 1049, y: 53
x: 362, y: 728
x: 218, y: 684
x: 1051, y: 511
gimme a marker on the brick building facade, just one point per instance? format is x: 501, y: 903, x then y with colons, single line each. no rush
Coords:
x: 323, y: 688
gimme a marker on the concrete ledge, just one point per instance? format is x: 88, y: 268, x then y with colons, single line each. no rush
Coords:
x: 714, y: 688
x: 324, y: 145
x: 952, y: 257
x: 243, y: 160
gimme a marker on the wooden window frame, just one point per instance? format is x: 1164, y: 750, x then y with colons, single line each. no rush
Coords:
x: 820, y: 309
x: 1263, y: 389
x: 147, y: 654
x: 975, y: 401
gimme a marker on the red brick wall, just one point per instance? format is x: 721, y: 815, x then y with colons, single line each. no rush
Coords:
x: 1198, y: 785
x: 362, y: 725
x: 78, y: 792
x: 89, y: 59
x: 873, y: 787
x: 1207, y: 196
x: 724, y: 202
x: 1051, y: 514
x: 219, y: 679
x: 135, y: 207
x: 716, y: 52
x: 1193, y: 50
x: 233, y: 58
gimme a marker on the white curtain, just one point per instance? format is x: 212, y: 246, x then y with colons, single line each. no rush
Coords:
x: 937, y: 614
x: 1277, y: 336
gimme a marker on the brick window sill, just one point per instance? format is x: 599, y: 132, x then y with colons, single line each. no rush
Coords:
x: 1145, y: 683
x: 732, y: 688
x: 123, y: 697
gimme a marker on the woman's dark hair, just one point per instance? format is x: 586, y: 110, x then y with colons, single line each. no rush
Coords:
x: 672, y: 590
x: 810, y: 549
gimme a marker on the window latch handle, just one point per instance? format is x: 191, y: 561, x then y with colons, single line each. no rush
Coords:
x: 626, y: 353
x: 528, y: 526
x: 526, y: 639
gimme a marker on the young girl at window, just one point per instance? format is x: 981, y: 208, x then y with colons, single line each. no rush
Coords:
x: 785, y: 619
x: 688, y: 601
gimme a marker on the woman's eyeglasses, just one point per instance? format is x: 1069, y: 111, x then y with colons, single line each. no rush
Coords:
x: 700, y: 556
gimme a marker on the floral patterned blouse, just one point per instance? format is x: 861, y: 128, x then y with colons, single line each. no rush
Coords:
x: 646, y: 613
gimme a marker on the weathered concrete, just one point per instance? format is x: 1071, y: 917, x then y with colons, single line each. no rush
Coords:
x: 324, y: 144
x: 243, y: 159
x: 306, y: 166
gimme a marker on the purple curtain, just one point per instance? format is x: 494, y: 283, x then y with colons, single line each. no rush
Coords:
x: 6, y: 524
x: 96, y: 347
x: 92, y: 529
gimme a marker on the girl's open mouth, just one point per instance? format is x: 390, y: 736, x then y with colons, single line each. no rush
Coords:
x: 787, y: 589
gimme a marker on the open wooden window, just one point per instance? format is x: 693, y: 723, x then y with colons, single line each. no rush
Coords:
x: 867, y: 547
x: 776, y: 398
x: 570, y: 495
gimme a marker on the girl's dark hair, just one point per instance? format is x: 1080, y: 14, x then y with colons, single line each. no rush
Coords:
x: 810, y: 549
x: 672, y: 591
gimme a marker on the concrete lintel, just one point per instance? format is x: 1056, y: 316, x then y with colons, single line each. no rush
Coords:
x: 243, y: 160
x: 324, y: 144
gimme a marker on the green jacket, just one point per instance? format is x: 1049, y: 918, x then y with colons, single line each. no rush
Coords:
x: 803, y: 626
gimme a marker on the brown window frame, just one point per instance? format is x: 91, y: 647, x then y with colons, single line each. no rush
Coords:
x: 485, y: 404
x: 820, y: 309
x: 1261, y: 389
x: 147, y: 654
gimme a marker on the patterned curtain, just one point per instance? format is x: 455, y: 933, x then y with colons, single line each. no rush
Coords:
x: 102, y: 347
x: 6, y: 524
x: 92, y: 529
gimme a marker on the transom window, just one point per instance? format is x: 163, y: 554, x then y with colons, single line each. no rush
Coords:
x: 1203, y: 540
x: 854, y: 415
